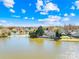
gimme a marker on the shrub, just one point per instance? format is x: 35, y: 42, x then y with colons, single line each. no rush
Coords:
x: 32, y: 35
x: 51, y: 37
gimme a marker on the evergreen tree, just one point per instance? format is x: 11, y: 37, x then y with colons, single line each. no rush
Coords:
x: 40, y: 31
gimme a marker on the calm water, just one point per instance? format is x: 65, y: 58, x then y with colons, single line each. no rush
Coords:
x: 21, y: 47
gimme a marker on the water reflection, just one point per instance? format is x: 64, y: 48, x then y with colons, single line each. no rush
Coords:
x: 57, y: 43
x: 38, y: 41
x: 21, y: 47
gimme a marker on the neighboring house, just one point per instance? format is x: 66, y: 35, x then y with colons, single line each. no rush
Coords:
x: 75, y: 33
x: 50, y: 33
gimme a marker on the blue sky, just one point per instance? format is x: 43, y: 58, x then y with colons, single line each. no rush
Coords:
x: 38, y: 12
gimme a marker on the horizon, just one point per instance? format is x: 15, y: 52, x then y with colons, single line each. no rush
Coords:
x: 41, y: 25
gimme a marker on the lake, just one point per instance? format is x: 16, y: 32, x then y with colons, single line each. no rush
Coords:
x: 22, y: 47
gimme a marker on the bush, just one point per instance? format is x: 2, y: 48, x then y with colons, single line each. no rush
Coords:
x: 51, y: 37
x: 9, y: 33
x: 32, y: 35
x: 4, y: 35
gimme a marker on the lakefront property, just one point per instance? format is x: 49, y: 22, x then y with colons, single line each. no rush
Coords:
x: 39, y: 29
x: 51, y: 32
x: 39, y: 42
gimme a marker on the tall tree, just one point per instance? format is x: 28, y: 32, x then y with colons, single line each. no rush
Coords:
x: 40, y: 31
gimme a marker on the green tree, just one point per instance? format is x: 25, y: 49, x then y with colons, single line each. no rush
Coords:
x: 37, y: 33
x: 40, y: 31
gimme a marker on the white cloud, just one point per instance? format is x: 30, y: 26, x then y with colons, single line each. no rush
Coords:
x: 72, y: 7
x: 16, y: 16
x: 72, y: 14
x: 43, y: 13
x: 51, y: 7
x: 77, y: 4
x: 3, y: 21
x: 32, y: 18
x: 54, y: 18
x: 48, y: 6
x: 25, y: 17
x: 8, y: 3
x: 65, y: 14
x: 23, y: 11
x: 51, y: 19
x: 11, y: 10
x: 39, y: 4
x: 66, y: 19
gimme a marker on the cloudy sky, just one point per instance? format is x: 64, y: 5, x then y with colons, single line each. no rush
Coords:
x: 39, y: 12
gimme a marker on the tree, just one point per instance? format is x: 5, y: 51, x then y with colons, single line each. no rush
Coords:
x: 40, y: 31
x: 37, y: 33
x: 58, y: 35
